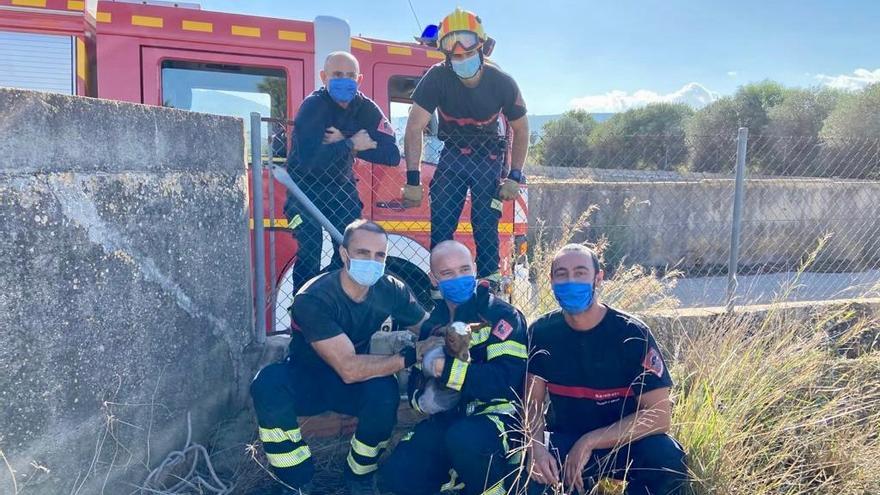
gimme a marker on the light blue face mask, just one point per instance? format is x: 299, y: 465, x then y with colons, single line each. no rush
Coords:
x: 365, y: 272
x: 468, y: 67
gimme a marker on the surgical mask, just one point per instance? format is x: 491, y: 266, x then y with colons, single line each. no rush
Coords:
x: 468, y: 67
x: 458, y: 290
x: 342, y: 89
x: 573, y: 297
x: 365, y: 272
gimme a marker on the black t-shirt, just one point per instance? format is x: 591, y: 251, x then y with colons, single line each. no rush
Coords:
x: 594, y: 377
x: 467, y: 113
x: 322, y: 310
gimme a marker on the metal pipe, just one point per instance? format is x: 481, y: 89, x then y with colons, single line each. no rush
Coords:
x: 284, y: 178
x: 742, y: 140
x: 259, y: 241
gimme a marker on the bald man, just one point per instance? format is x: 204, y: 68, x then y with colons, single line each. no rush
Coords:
x: 472, y: 443
x: 334, y: 125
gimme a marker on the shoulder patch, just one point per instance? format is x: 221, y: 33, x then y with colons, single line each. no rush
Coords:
x: 385, y: 127
x: 653, y: 362
x: 502, y: 329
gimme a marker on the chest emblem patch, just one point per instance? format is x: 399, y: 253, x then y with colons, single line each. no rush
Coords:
x: 502, y: 329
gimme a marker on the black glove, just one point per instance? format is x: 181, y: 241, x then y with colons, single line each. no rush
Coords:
x: 409, y: 356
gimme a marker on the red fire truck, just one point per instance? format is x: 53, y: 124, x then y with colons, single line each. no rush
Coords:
x: 175, y: 54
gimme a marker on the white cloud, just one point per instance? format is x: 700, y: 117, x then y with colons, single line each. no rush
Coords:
x: 732, y: 73
x: 694, y: 94
x: 859, y: 79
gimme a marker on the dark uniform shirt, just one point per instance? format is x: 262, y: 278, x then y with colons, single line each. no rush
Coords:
x: 321, y: 310
x: 491, y: 382
x: 595, y: 377
x: 468, y: 115
x: 310, y: 158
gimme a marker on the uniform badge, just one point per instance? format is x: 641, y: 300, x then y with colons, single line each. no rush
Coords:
x: 385, y: 127
x: 502, y: 329
x: 654, y: 362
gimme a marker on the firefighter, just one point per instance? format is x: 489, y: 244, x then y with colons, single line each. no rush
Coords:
x: 469, y: 93
x: 328, y: 367
x: 334, y: 125
x: 609, y: 392
x: 472, y: 443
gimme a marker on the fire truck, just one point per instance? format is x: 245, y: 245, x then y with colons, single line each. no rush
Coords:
x: 177, y: 55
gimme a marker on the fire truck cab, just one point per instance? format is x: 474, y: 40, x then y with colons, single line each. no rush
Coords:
x: 177, y: 55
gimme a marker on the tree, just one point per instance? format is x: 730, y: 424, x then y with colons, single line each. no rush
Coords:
x: 713, y: 128
x: 647, y: 138
x: 565, y: 140
x: 710, y: 135
x: 792, y: 132
x: 851, y: 135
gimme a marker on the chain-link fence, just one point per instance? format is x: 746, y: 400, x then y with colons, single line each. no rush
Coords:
x: 660, y: 208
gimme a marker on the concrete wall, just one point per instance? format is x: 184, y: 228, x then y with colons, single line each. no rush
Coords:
x: 688, y: 223
x: 124, y: 287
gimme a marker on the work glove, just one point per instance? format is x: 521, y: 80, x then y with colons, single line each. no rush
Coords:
x: 510, y: 186
x: 409, y: 356
x: 412, y: 196
x: 435, y: 398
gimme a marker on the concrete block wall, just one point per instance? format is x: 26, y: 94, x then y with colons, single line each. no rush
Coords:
x: 125, y: 292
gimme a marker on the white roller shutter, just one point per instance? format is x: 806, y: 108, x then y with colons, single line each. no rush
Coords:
x: 41, y: 62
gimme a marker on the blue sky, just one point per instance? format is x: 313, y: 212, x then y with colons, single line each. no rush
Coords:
x: 612, y: 55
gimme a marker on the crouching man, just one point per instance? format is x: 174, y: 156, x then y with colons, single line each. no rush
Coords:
x: 468, y: 447
x: 329, y: 368
x: 608, y: 388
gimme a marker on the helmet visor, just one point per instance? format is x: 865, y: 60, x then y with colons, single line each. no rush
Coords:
x: 460, y: 42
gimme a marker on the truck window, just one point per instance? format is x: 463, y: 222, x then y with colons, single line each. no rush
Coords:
x: 400, y: 90
x: 41, y: 62
x: 224, y: 89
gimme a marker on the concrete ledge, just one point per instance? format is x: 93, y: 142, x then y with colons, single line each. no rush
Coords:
x: 57, y: 133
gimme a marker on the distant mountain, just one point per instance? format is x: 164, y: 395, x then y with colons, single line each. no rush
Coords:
x: 536, y: 122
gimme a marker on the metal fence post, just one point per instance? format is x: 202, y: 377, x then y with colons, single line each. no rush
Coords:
x: 742, y: 139
x: 259, y: 241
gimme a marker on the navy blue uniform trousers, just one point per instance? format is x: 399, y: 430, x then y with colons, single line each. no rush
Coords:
x: 477, y: 169
x: 281, y: 392
x: 338, y: 200
x: 654, y: 465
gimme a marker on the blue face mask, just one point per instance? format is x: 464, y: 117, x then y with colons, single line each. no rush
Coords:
x: 342, y: 89
x: 365, y: 272
x: 574, y: 297
x: 458, y: 290
x: 468, y: 67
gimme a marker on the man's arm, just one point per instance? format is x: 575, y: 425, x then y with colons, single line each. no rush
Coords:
x: 543, y: 466
x: 339, y: 353
x: 654, y: 415
x: 412, y: 141
x: 520, y: 149
x: 308, y: 136
x: 377, y: 126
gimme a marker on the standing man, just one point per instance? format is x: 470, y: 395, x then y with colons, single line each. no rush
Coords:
x: 329, y: 367
x: 608, y: 389
x: 470, y: 443
x: 334, y: 125
x: 469, y: 93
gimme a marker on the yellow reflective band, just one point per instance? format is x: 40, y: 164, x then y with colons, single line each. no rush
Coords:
x: 360, y: 468
x: 457, y: 374
x: 365, y: 450
x: 275, y: 435
x: 249, y: 31
x: 203, y: 27
x: 406, y: 437
x: 514, y: 349
x: 502, y: 432
x: 480, y: 336
x: 147, y: 21
x: 291, y: 35
x: 505, y: 408
x: 290, y: 459
x: 452, y: 484
x: 497, y: 489
x: 294, y: 222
